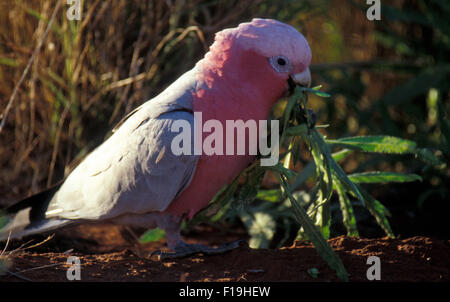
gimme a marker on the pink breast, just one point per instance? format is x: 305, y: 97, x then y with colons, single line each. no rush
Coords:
x: 247, y: 97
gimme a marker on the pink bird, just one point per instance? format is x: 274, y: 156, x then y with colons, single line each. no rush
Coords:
x: 134, y: 178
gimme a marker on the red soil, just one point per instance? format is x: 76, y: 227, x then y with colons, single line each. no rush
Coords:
x: 106, y: 256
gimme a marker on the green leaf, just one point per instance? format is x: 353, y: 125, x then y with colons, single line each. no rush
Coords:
x: 387, y: 145
x: 314, y: 234
x: 316, y: 91
x: 297, y: 130
x: 322, y: 215
x: 340, y: 155
x: 322, y: 126
x: 337, y: 170
x: 152, y: 235
x: 289, y: 106
x: 378, y: 211
x: 309, y: 169
x: 376, y: 144
x: 295, y: 151
x: 292, y: 101
x: 282, y: 170
x: 324, y: 161
x: 383, y: 177
x: 348, y: 184
x: 269, y: 195
x: 320, y: 211
x: 348, y: 217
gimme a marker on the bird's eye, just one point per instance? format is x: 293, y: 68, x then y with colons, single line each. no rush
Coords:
x: 281, y: 64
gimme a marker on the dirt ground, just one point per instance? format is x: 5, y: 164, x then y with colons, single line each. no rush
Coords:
x: 106, y: 256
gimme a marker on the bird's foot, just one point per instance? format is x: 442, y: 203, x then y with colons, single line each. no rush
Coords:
x: 184, y: 249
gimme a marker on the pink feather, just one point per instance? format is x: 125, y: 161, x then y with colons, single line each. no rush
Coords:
x: 237, y: 82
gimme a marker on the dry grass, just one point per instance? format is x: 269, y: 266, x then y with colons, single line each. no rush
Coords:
x: 6, y: 259
x: 89, y: 73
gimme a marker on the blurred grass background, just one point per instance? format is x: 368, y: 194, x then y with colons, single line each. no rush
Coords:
x: 385, y: 77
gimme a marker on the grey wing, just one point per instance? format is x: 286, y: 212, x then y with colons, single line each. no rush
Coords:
x: 134, y: 171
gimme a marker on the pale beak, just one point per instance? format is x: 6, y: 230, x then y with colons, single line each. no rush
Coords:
x: 302, y: 78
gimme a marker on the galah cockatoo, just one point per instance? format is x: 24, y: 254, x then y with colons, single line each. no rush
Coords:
x: 134, y: 178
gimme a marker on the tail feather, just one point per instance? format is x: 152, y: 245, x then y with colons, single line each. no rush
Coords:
x: 27, y: 216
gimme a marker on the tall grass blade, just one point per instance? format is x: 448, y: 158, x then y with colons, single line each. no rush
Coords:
x: 337, y: 170
x: 314, y: 234
x: 348, y: 216
x: 378, y: 211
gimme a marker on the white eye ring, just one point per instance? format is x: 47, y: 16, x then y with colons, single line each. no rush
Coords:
x: 281, y: 64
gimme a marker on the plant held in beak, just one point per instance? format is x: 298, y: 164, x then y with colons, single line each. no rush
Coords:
x: 313, y: 212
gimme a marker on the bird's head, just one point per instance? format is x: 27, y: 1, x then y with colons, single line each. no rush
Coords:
x: 263, y: 52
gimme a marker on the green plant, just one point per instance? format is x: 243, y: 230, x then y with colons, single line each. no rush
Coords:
x: 311, y: 210
x: 152, y: 235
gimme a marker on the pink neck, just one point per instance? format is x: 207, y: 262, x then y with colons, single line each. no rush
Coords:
x: 237, y: 85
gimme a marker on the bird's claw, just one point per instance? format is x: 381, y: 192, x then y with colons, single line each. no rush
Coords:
x: 185, y: 249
